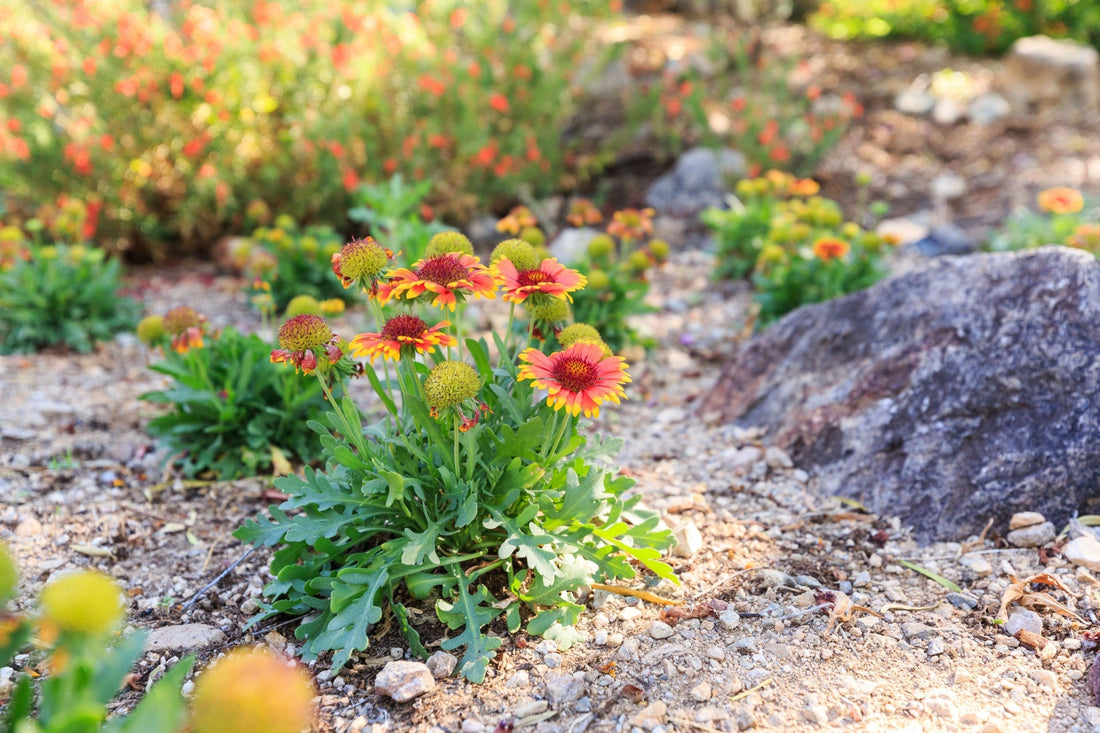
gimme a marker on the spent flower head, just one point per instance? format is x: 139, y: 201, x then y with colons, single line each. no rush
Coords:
x: 449, y: 384
x: 402, y: 335
x: 252, y: 690
x: 361, y: 262
x: 579, y: 378
x: 302, y: 338
x: 185, y: 326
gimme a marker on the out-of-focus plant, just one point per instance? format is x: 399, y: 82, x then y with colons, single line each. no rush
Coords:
x: 58, y: 294
x: 480, y: 490
x: 618, y: 262
x: 178, y: 122
x: 397, y: 216
x: 86, y: 666
x: 232, y: 412
x: 1063, y: 217
x: 970, y: 26
x: 794, y: 245
x: 284, y: 262
x: 766, y: 106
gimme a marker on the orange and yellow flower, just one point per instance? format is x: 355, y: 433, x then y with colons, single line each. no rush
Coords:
x: 447, y: 278
x: 830, y: 248
x: 1061, y: 200
x: 631, y: 223
x: 1086, y: 237
x: 517, y: 220
x: 579, y: 378
x: 550, y: 278
x: 583, y: 212
x: 401, y: 336
x: 302, y: 338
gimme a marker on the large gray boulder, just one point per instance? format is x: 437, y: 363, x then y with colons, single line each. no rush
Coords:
x: 965, y: 390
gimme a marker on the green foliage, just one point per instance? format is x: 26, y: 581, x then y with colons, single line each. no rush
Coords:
x: 62, y: 295
x: 393, y: 212
x: 794, y: 246
x: 233, y: 412
x: 472, y: 492
x: 970, y: 26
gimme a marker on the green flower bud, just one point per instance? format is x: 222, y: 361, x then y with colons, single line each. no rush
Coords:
x: 519, y: 252
x: 639, y: 261
x: 302, y: 304
x: 83, y: 602
x: 601, y: 246
x: 9, y: 573
x: 450, y: 383
x: 659, y: 249
x: 446, y: 242
x: 533, y: 235
x: 150, y: 329
x: 598, y: 281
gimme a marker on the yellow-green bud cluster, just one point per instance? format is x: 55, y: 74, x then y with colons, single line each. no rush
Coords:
x: 519, y: 252
x: 304, y: 333
x: 303, y: 305
x: 533, y: 235
x: 84, y: 602
x: 150, y: 329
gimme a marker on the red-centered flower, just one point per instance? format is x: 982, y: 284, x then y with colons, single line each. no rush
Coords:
x: 579, y: 378
x: 361, y: 262
x: 830, y: 248
x: 550, y: 278
x: 185, y: 325
x: 401, y: 336
x: 1061, y: 200
x: 447, y: 278
x: 302, y: 338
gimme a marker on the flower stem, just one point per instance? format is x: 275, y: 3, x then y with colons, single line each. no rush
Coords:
x: 508, y: 333
x: 457, y: 431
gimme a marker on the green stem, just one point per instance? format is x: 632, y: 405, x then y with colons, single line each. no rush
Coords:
x: 508, y: 333
x: 566, y: 418
x: 350, y: 433
x: 457, y: 431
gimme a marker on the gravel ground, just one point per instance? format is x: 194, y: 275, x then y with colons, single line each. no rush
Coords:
x: 797, y: 611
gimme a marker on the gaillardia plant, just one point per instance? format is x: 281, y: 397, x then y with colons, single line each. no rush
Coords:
x: 476, y: 487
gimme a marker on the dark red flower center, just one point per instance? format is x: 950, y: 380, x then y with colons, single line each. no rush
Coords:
x: 575, y: 375
x: 408, y: 326
x: 442, y: 269
x: 533, y: 277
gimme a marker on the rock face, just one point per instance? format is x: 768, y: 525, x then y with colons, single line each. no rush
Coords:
x: 697, y: 182
x: 965, y: 390
x: 1047, y: 76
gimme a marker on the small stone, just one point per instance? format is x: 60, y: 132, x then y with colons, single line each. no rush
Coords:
x: 630, y: 613
x: 546, y: 646
x: 29, y: 527
x: 531, y: 707
x: 1020, y: 520
x: 985, y: 109
x: 914, y: 102
x: 701, y: 692
x: 875, y: 560
x: 807, y: 581
x: 948, y: 186
x: 947, y: 111
x: 689, y: 540
x: 250, y: 606
x: 862, y: 580
x: 963, y: 601
x: 916, y: 630
x: 1044, y: 678
x: 660, y: 630
x: 396, y: 652
x: 600, y: 638
x: 816, y: 714
x: 651, y: 716
x: 552, y: 660
x: 977, y: 565
x: 1083, y: 551
x: 563, y: 690
x: 472, y: 726
x: 1032, y: 536
x: 729, y: 619
x: 188, y: 637
x: 522, y: 678
x: 715, y: 652
x: 442, y: 664
x: 742, y: 458
x: 402, y: 681
x: 1048, y: 652
x: 777, y: 458
x: 935, y: 647
x: 776, y: 579
x: 584, y: 705
x: 940, y: 706
x: 746, y: 645
x: 1023, y: 620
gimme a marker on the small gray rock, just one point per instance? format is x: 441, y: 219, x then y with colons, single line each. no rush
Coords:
x: 1020, y: 520
x: 402, y: 681
x: 660, y: 630
x: 531, y: 707
x: 729, y: 619
x: 1083, y: 551
x: 1033, y: 536
x: 862, y: 579
x: 936, y: 647
x: 522, y: 678
x: 1023, y: 620
x: 917, y: 630
x: 945, y: 240
x: 689, y: 540
x: 188, y: 637
x: 963, y: 601
x: 565, y: 689
x: 746, y: 645
x: 988, y: 108
x: 442, y: 664
x: 914, y: 101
